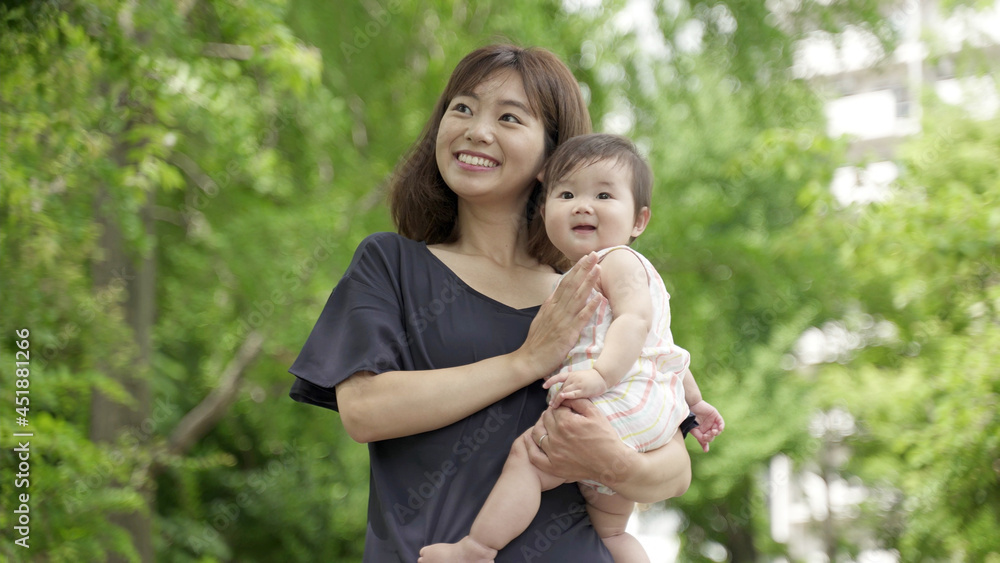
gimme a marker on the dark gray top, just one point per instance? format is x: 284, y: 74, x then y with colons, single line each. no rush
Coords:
x: 399, y: 308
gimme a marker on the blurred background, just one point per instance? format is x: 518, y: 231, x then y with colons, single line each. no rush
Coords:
x: 183, y: 182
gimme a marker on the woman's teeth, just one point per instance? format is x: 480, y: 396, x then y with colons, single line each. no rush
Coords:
x: 476, y: 160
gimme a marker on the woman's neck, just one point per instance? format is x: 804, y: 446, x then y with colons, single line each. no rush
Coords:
x: 498, y: 234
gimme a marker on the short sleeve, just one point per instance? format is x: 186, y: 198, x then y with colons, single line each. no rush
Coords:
x: 361, y: 327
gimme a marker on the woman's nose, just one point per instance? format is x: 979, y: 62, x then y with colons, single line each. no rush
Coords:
x: 480, y: 130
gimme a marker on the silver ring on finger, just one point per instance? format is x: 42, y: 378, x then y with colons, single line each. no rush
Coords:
x: 544, y: 436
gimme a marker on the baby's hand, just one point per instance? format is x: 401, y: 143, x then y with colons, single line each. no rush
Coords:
x: 584, y: 384
x: 710, y: 423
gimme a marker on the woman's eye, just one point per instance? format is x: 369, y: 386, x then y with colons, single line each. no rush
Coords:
x: 510, y: 118
x: 461, y: 108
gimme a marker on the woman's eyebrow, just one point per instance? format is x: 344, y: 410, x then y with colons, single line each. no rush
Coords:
x: 518, y: 104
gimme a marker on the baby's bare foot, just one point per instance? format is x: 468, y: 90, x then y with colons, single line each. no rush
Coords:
x: 467, y: 550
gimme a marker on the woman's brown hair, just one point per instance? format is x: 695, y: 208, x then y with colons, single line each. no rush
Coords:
x: 424, y: 208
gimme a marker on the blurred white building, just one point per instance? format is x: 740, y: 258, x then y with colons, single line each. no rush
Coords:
x: 875, y: 100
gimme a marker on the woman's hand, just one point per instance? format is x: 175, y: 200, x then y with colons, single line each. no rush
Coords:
x: 579, y: 444
x: 559, y: 321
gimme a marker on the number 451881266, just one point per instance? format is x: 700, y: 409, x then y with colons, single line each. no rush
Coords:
x: 23, y: 371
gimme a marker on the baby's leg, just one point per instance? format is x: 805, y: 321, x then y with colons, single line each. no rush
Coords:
x: 508, y: 511
x: 610, y: 514
x: 514, y: 501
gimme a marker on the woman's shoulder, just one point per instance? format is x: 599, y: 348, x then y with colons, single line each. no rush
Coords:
x: 386, y: 244
x: 380, y: 252
x: 386, y: 239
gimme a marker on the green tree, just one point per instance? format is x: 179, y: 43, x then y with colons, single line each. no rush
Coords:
x: 163, y: 165
x: 925, y: 269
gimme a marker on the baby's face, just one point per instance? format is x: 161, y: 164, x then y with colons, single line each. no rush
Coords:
x: 592, y: 208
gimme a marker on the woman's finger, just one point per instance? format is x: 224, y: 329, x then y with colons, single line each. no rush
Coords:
x: 539, y: 429
x: 588, y: 310
x: 536, y: 455
x: 581, y: 270
x: 576, y: 276
x: 577, y: 286
x: 584, y: 407
x: 588, y: 283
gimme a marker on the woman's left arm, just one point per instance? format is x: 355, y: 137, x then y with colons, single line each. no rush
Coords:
x: 581, y: 445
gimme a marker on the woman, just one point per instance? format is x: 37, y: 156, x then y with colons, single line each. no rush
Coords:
x: 434, y: 343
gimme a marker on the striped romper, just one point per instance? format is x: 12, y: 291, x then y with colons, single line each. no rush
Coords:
x: 648, y: 405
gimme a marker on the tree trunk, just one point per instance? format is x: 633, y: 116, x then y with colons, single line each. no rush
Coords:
x: 109, y: 419
x: 739, y: 536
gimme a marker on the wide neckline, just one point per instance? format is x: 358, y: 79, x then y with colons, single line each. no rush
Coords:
x: 472, y: 290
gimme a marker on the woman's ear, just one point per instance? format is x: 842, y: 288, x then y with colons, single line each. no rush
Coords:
x: 641, y: 221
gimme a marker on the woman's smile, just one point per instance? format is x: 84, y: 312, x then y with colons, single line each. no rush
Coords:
x: 476, y: 161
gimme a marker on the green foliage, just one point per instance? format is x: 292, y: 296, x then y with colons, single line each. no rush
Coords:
x: 927, y: 262
x: 146, y: 102
x: 259, y: 137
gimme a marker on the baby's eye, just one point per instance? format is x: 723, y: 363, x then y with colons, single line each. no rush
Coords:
x: 604, y: 195
x: 510, y: 118
x: 565, y: 195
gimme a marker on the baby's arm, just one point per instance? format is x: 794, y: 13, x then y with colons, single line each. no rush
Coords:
x: 624, y: 284
x: 710, y: 423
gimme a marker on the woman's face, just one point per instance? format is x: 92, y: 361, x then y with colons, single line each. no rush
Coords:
x: 490, y: 146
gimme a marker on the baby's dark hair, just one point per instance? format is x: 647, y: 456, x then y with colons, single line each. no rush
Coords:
x: 588, y: 149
